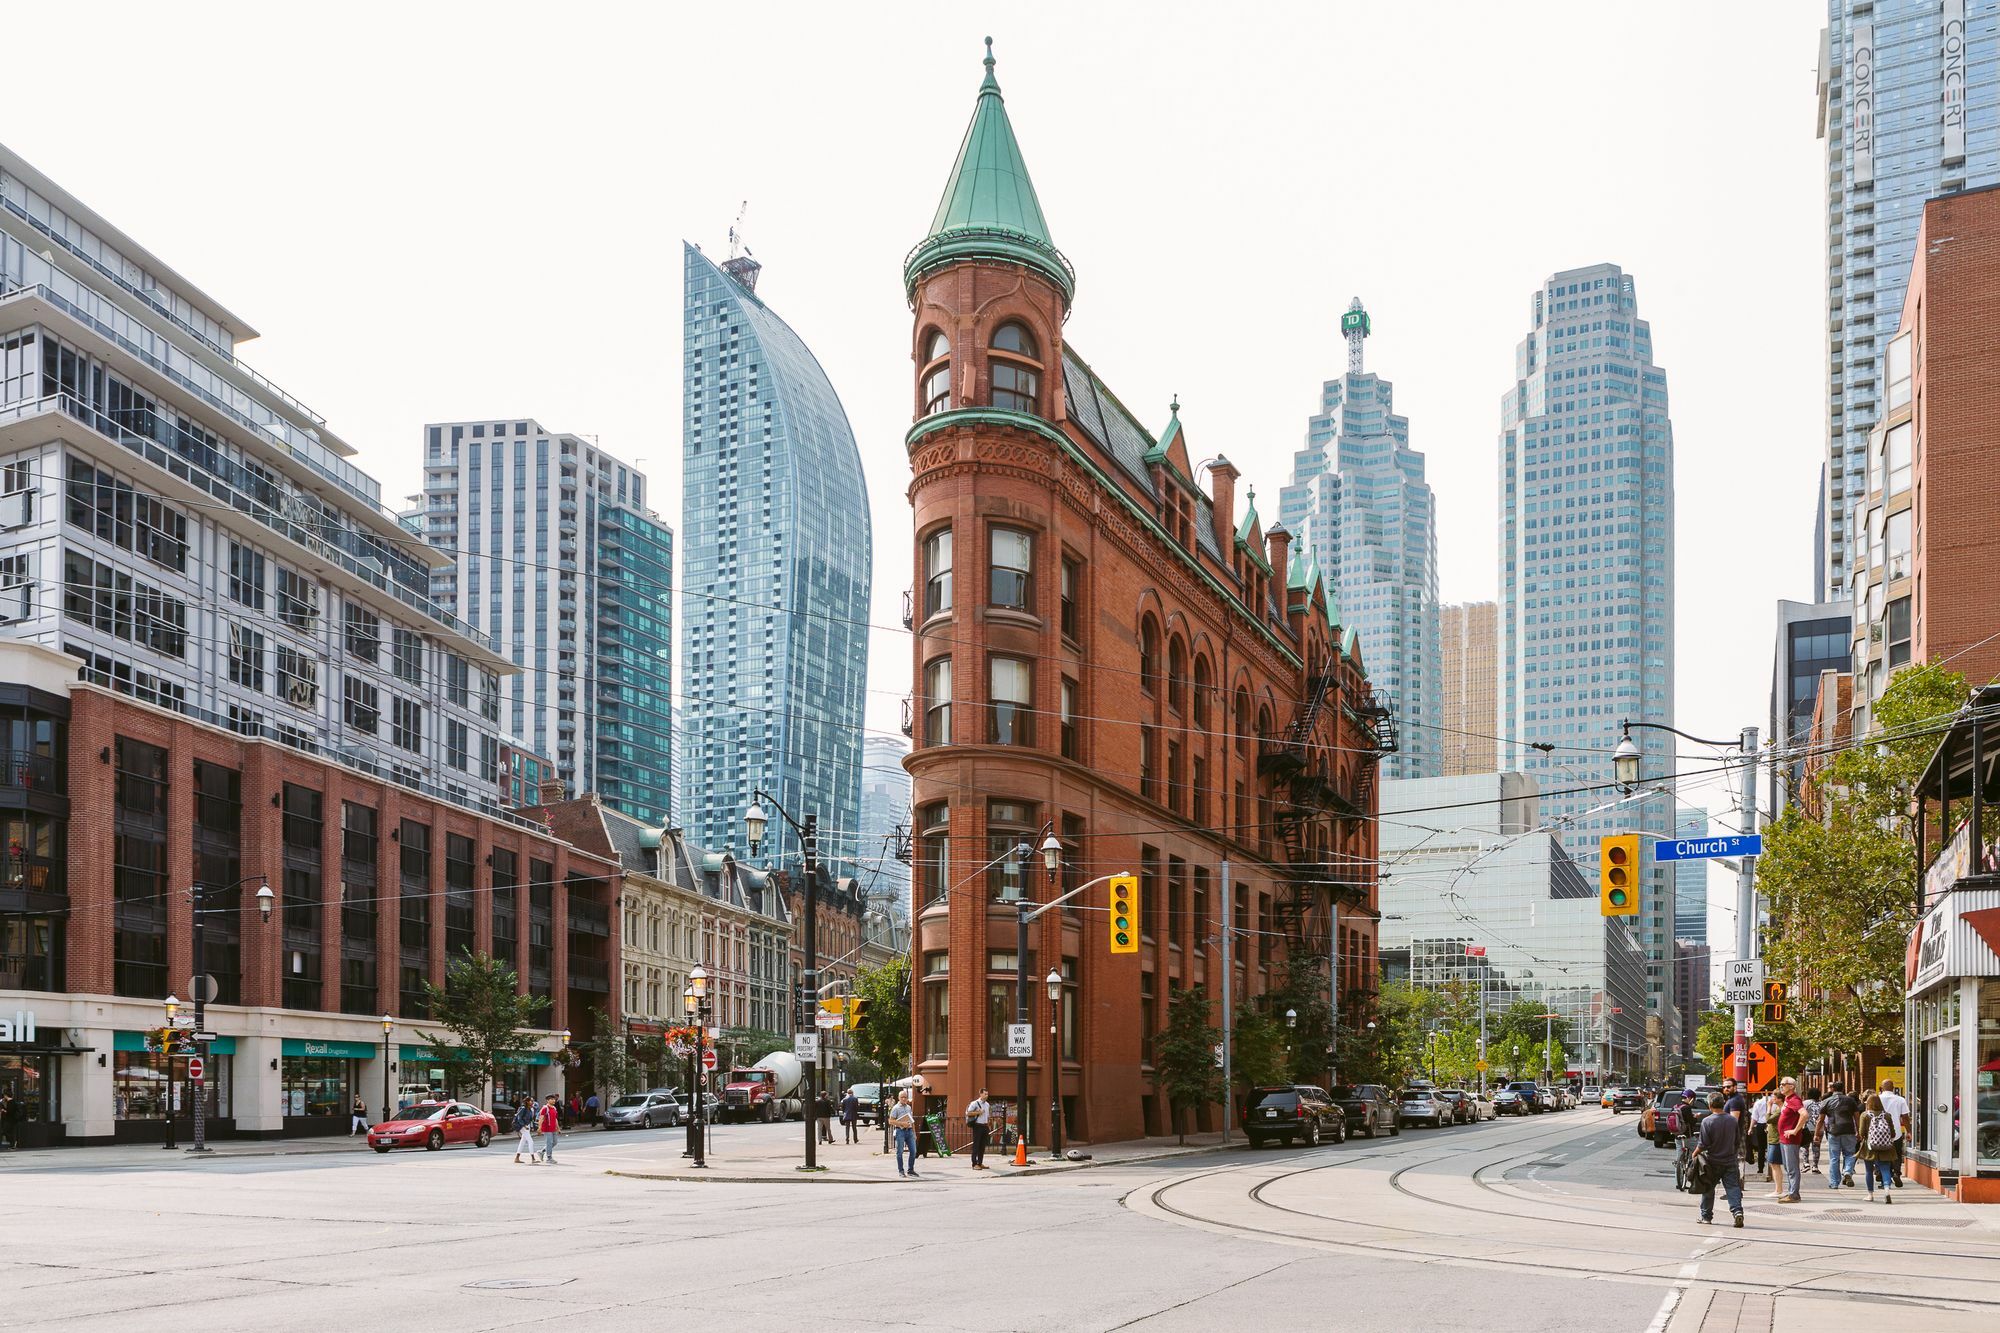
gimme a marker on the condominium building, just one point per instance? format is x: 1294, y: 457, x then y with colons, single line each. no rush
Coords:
x: 1587, y: 574
x: 1690, y: 881
x: 556, y: 555
x: 1469, y: 668
x: 1908, y: 94
x: 777, y: 570
x: 1359, y: 505
x: 1813, y: 637
x: 882, y: 857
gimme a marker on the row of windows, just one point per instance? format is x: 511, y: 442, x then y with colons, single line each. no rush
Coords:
x: 1015, y: 372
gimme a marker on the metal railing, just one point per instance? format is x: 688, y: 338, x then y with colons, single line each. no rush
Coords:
x: 29, y: 770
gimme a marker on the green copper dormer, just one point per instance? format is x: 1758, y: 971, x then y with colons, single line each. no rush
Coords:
x: 1332, y: 599
x: 1246, y: 531
x: 1350, y: 646
x: 1158, y: 453
x: 1305, y: 573
x: 989, y: 209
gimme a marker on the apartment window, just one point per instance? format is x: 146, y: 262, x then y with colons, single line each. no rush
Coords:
x: 1149, y: 654
x: 1198, y: 909
x: 1899, y: 544
x: 457, y: 752
x: 17, y: 588
x: 489, y: 696
x: 1176, y: 796
x: 1150, y: 901
x: 408, y: 657
x: 934, y: 852
x: 246, y: 576
x: 246, y: 657
x: 1198, y: 785
x: 937, y: 373
x: 1898, y: 448
x: 937, y: 572
x: 1011, y: 695
x: 457, y: 679
x: 1899, y: 632
x: 359, y: 706
x: 298, y: 600
x: 1242, y: 720
x: 1009, y: 825
x: 1149, y: 786
x: 1176, y: 675
x: 361, y: 632
x: 1202, y: 682
x: 937, y: 702
x: 298, y: 678
x: 406, y: 725
x: 937, y: 1005
x: 1015, y: 382
x: 1072, y: 742
x: 1011, y: 576
x: 1072, y: 590
x: 1899, y: 371
x: 1177, y: 878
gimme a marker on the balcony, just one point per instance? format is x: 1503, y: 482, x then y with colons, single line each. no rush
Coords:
x: 591, y: 974
x: 26, y: 770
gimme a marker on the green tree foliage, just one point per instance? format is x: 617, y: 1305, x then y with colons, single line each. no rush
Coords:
x: 606, y: 1052
x: 1302, y: 989
x: 1184, y: 1055
x: 1257, y: 1051
x: 883, y: 1038
x: 485, y: 1018
x: 1839, y: 888
x: 739, y: 1048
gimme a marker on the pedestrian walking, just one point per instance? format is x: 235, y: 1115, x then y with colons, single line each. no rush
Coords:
x: 823, y: 1112
x: 575, y: 1111
x: 590, y: 1105
x: 903, y: 1120
x: 13, y: 1110
x: 7, y: 1120
x: 1878, y: 1147
x: 524, y: 1127
x: 1760, y: 1137
x: 1840, y: 1116
x: 850, y: 1115
x: 979, y: 1115
x: 1899, y: 1111
x: 1790, y: 1123
x: 1721, y: 1151
x: 551, y: 1126
x: 1815, y: 1128
x: 360, y: 1118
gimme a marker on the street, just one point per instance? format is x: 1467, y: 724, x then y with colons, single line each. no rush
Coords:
x: 1568, y: 1216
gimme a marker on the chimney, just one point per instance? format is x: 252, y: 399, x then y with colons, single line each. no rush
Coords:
x: 1222, y: 476
x: 1280, y: 543
x: 552, y: 791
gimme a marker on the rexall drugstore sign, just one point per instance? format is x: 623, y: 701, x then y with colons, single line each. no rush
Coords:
x: 20, y: 1029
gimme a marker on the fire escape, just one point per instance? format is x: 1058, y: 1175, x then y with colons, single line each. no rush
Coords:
x: 1310, y: 796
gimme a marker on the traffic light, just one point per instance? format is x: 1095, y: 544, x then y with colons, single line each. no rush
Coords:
x: 1124, y: 914
x: 1774, y: 1002
x: 857, y: 1009
x: 1618, y: 874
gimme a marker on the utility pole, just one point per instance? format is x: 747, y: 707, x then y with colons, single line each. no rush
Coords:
x: 1746, y: 887
x: 1333, y: 983
x: 199, y: 957
x: 810, y: 837
x: 1228, y: 997
x: 1482, y: 1032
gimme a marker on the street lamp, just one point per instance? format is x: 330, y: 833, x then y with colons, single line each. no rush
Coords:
x: 695, y: 1000
x: 754, y: 823
x: 172, y: 1005
x: 388, y: 1026
x: 1054, y: 981
x: 1625, y: 762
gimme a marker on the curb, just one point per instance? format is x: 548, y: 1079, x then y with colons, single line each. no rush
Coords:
x: 799, y: 1178
x: 1052, y: 1168
x: 1005, y: 1173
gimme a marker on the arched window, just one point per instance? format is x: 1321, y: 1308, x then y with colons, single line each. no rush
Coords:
x: 1176, y: 675
x: 1201, y: 687
x: 1242, y: 718
x: 1016, y: 382
x: 1149, y: 655
x: 1263, y: 724
x: 937, y: 373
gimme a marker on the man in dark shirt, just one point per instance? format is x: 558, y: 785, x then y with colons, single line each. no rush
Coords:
x: 1841, y: 1113
x: 1722, y: 1143
x: 1738, y: 1106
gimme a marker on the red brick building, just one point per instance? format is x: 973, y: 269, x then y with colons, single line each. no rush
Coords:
x: 1106, y: 652
x: 375, y: 885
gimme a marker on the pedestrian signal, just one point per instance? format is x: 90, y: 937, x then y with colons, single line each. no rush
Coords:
x: 1774, y: 1002
x: 1618, y: 874
x: 1124, y: 914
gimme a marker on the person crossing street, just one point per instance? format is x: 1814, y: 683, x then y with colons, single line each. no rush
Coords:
x: 979, y: 1115
x: 903, y: 1120
x: 524, y: 1126
x: 1721, y: 1149
x: 850, y: 1115
x: 551, y: 1126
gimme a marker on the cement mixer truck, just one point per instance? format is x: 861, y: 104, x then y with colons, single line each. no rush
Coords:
x: 766, y: 1091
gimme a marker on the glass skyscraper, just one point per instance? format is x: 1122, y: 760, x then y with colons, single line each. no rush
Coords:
x: 561, y: 561
x: 1909, y: 108
x: 1691, y: 881
x: 1358, y: 500
x: 777, y: 557
x: 1587, y: 577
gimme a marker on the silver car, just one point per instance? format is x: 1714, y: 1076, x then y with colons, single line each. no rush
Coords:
x: 642, y: 1110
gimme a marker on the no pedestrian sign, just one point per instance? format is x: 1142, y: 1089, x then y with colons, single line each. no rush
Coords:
x: 805, y: 1045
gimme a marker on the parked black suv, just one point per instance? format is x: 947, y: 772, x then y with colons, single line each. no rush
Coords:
x: 1295, y: 1113
x: 1369, y: 1107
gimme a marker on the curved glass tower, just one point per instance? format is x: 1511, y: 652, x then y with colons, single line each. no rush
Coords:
x: 776, y: 561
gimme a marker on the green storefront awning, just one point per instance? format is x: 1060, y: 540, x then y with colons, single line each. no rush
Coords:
x: 136, y: 1041
x: 422, y: 1053
x: 331, y: 1050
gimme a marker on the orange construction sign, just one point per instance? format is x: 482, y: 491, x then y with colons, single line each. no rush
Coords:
x: 1758, y: 1070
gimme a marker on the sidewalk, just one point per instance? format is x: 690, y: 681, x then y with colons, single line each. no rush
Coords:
x: 765, y: 1161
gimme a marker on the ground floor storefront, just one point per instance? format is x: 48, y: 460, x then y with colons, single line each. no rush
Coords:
x: 87, y: 1070
x: 1952, y: 1047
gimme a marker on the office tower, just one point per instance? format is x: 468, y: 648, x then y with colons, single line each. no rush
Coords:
x: 1692, y: 980
x: 885, y: 825
x: 1691, y: 881
x: 1812, y: 638
x: 1502, y: 885
x: 1587, y: 574
x: 1359, y: 504
x: 1908, y: 92
x: 1469, y: 722
x: 777, y: 566
x: 560, y: 559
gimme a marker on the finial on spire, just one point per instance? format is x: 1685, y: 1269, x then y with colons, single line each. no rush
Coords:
x: 989, y: 53
x: 989, y: 81
x: 1175, y: 406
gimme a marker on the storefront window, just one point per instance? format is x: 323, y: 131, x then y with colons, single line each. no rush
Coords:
x: 313, y: 1086
x: 140, y: 1087
x: 1988, y: 1076
x: 30, y: 1080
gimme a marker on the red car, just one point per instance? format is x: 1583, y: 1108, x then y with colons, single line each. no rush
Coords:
x: 431, y: 1125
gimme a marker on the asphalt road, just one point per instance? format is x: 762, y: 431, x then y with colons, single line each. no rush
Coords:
x: 1557, y: 1222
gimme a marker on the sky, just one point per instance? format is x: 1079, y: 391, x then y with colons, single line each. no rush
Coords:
x: 448, y: 211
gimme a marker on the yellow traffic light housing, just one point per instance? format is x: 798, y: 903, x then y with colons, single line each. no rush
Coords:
x: 857, y: 1009
x: 1618, y: 874
x: 1124, y: 914
x: 1774, y: 1002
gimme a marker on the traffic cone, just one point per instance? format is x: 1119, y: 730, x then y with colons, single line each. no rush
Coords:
x: 1020, y: 1150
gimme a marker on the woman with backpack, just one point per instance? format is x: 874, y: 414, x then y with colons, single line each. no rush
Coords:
x: 1878, y: 1148
x: 524, y: 1125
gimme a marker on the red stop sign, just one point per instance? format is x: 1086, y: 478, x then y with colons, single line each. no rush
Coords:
x: 195, y: 1069
x: 708, y: 1059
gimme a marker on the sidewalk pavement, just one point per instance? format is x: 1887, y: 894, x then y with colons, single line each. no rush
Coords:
x: 764, y: 1161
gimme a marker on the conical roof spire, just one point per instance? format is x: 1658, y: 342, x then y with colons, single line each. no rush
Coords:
x: 989, y: 209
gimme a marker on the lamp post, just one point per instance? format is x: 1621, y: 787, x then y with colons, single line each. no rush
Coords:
x: 1054, y: 981
x: 754, y: 822
x: 201, y: 986
x: 172, y: 1005
x: 695, y: 998
x: 388, y: 1026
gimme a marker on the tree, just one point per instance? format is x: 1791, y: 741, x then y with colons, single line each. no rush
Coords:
x: 1257, y: 1049
x: 606, y: 1052
x: 739, y: 1048
x: 1184, y: 1055
x: 485, y: 1016
x: 1302, y: 990
x: 883, y: 1036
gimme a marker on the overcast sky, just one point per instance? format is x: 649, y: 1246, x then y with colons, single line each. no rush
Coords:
x: 440, y: 212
